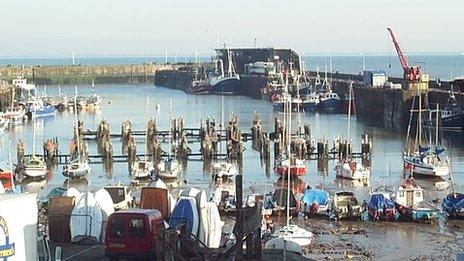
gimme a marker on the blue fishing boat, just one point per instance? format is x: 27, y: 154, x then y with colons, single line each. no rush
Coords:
x: 226, y: 84
x: 310, y: 102
x: 409, y: 201
x: 452, y: 116
x: 36, y: 108
x: 315, y: 201
x: 381, y: 207
x: 453, y: 204
x: 329, y: 101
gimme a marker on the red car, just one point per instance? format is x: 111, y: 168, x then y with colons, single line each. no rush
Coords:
x: 132, y: 233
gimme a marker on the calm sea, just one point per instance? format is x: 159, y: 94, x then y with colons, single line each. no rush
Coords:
x: 444, y: 67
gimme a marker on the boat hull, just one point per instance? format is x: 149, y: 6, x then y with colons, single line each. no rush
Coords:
x: 226, y: 86
x: 424, y: 171
x: 417, y: 215
x: 329, y: 105
x: 295, y: 171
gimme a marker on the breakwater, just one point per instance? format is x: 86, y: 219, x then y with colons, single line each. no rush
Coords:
x: 84, y: 74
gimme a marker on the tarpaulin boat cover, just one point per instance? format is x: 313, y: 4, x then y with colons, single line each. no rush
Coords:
x: 454, y: 202
x: 317, y: 196
x: 379, y: 201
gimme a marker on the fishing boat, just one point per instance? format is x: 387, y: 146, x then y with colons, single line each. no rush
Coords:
x: 348, y: 168
x: 452, y: 115
x: 329, y: 100
x: 381, y: 207
x: 310, y: 102
x: 36, y: 108
x: 315, y: 201
x: 15, y: 115
x: 226, y: 84
x: 409, y: 201
x: 199, y: 85
x: 419, y: 160
x: 344, y: 205
x: 79, y: 167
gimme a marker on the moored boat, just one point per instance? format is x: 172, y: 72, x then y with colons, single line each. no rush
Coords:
x: 226, y: 84
x: 315, y: 201
x: 169, y: 168
x: 224, y: 171
x: 344, y: 205
x: 297, y: 167
x: 409, y: 201
x: 142, y: 169
x: 381, y: 207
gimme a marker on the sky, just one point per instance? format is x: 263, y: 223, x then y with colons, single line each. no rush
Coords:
x: 149, y: 27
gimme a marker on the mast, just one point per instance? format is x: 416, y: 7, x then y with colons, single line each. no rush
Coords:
x: 350, y: 90
x: 33, y: 136
x: 289, y: 122
x: 146, y: 120
x: 222, y: 124
x: 420, y: 119
x: 436, y: 127
x: 77, y: 131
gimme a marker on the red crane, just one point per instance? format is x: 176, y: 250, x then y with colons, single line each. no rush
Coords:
x: 410, y: 73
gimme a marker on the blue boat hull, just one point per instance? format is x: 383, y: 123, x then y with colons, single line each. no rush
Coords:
x: 226, y: 86
x: 330, y: 105
x: 181, y: 213
x: 310, y: 106
x: 47, y: 110
x: 417, y: 215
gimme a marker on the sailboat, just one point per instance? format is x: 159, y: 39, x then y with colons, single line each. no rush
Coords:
x: 223, y: 170
x: 144, y: 168
x: 349, y: 168
x: 79, y: 167
x: 290, y: 237
x: 423, y: 161
x: 226, y: 84
x: 169, y: 167
x: 34, y: 165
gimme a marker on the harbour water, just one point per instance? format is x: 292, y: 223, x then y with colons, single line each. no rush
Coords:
x: 442, y: 66
x: 128, y: 101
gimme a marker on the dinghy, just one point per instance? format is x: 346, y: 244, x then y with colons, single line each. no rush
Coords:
x: 186, y: 211
x: 86, y: 219
x: 105, y: 202
x: 214, y: 226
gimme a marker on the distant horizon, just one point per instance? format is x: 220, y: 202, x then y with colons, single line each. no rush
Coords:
x: 203, y: 55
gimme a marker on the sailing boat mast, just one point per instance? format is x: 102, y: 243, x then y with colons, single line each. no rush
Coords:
x: 420, y: 119
x: 350, y: 90
x: 436, y: 126
x: 222, y: 125
x: 146, y: 120
x: 289, y: 130
x: 77, y: 130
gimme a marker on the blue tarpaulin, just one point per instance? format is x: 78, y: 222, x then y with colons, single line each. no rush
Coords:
x: 379, y: 201
x: 317, y: 196
x: 453, y: 203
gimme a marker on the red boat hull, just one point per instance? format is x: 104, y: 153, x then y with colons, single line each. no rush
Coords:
x: 294, y: 171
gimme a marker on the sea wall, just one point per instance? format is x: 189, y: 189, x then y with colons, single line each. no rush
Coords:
x: 128, y: 73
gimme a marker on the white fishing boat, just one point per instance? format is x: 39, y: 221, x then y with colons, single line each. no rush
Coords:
x: 94, y: 101
x: 348, y: 168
